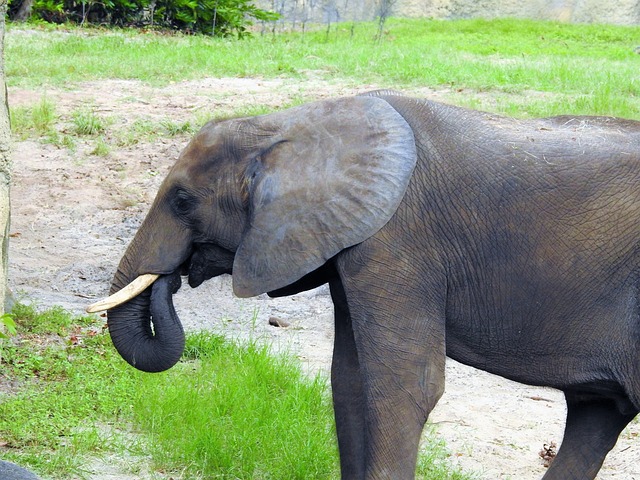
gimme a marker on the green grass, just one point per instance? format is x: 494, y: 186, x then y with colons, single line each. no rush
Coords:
x: 587, y: 68
x: 246, y: 414
x: 227, y: 411
x: 54, y: 320
x: 102, y: 134
x: 43, y: 122
x: 38, y: 120
x: 102, y: 148
x: 88, y: 122
x: 66, y: 379
x: 433, y: 460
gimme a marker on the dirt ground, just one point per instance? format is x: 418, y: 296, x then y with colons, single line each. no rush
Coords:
x: 74, y: 213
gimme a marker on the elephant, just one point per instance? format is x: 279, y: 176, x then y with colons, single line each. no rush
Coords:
x: 509, y: 245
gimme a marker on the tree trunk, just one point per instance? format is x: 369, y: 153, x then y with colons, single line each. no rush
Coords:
x: 24, y: 12
x: 5, y: 166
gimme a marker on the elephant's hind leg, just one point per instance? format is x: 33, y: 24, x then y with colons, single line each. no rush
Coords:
x: 591, y: 431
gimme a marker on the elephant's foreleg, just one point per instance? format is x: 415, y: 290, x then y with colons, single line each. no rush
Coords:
x: 400, y: 343
x: 346, y: 382
x: 591, y: 432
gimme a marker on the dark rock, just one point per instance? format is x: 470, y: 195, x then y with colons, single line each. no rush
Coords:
x: 10, y: 471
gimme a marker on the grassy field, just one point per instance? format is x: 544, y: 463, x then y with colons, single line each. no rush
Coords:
x: 525, y: 68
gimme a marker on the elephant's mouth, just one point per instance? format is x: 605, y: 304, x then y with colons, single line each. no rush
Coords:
x: 205, y: 261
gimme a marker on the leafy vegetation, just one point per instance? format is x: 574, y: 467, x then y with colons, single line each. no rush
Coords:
x: 213, y: 17
x: 8, y: 324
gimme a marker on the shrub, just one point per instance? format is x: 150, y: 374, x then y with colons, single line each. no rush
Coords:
x: 211, y: 17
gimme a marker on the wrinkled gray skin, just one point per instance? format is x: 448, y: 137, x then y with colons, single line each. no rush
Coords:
x: 515, y: 240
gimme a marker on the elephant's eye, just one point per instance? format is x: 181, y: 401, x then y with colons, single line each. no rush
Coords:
x: 183, y: 202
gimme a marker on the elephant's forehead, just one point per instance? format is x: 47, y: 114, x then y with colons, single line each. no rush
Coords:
x: 235, y: 134
x: 207, y: 155
x: 212, y: 136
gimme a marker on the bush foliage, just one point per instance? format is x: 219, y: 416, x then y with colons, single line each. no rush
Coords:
x: 211, y: 17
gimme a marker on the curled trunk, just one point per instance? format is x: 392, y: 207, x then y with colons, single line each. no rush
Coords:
x: 146, y: 330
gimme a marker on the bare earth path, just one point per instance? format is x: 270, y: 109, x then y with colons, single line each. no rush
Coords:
x: 75, y: 212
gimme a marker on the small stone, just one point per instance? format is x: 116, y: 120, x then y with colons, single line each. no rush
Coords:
x: 277, y: 322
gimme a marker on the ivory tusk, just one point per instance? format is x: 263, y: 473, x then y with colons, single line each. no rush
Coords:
x: 127, y: 293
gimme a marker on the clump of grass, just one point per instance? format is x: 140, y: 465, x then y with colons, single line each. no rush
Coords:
x: 38, y: 119
x: 202, y: 345
x: 20, y: 122
x: 173, y: 129
x: 432, y: 459
x: 66, y: 141
x: 101, y: 148
x: 142, y: 129
x: 43, y: 116
x: 87, y: 122
x: 54, y: 320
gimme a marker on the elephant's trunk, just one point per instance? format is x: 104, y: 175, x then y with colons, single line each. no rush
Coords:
x: 147, y: 348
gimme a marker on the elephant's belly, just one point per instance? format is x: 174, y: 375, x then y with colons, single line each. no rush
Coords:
x: 578, y: 363
x: 499, y: 358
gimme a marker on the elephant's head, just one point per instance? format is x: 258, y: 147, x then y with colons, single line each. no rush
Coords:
x: 268, y: 199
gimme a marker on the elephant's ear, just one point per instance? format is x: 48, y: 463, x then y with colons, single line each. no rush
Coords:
x: 334, y: 174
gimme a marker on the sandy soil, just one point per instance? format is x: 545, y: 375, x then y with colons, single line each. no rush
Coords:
x: 74, y: 213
